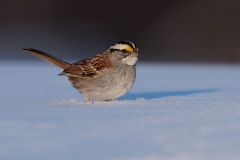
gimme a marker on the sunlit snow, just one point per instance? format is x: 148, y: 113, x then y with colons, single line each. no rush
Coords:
x: 173, y: 112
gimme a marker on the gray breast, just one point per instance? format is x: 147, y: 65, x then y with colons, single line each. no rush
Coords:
x: 106, y: 86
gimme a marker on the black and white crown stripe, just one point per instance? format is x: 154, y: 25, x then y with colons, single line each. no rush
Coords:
x: 120, y: 45
x: 134, y: 46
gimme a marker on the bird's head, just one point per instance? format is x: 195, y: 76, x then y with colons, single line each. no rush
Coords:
x: 125, y: 51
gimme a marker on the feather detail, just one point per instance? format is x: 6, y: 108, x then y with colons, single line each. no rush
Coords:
x: 89, y: 67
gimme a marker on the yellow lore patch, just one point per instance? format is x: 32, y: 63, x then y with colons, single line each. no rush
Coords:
x: 128, y: 48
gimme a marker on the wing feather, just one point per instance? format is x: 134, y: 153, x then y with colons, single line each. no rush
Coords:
x: 88, y: 67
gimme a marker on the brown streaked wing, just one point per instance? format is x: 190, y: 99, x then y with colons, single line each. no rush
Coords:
x: 72, y: 71
x: 89, y: 67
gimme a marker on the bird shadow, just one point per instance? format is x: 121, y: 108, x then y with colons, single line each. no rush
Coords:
x: 155, y: 95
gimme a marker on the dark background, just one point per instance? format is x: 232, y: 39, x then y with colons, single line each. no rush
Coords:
x: 165, y: 30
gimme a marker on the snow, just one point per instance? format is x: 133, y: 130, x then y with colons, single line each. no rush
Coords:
x: 173, y: 112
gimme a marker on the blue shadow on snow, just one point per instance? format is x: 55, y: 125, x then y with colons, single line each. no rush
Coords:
x: 154, y: 95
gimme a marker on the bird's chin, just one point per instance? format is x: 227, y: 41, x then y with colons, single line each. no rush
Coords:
x: 130, y: 60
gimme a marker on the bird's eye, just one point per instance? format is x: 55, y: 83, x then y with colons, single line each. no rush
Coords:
x: 124, y: 50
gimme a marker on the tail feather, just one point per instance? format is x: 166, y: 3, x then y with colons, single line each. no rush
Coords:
x: 47, y: 57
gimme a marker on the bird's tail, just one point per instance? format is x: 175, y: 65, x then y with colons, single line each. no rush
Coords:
x: 47, y: 57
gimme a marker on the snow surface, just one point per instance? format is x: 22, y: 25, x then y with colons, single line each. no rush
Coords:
x: 173, y: 112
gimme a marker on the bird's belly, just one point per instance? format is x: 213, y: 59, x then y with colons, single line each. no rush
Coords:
x: 106, y: 87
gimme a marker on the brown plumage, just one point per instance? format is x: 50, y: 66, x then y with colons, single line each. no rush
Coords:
x: 47, y: 57
x: 86, y: 67
x: 106, y: 76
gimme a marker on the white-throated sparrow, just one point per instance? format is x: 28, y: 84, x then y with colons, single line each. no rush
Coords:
x: 106, y: 76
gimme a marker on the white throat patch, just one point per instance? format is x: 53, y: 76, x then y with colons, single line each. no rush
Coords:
x: 129, y: 60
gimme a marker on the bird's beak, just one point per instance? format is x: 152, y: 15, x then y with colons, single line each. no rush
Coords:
x: 134, y: 54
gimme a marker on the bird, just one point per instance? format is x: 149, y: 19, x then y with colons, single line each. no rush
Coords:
x: 103, y: 77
